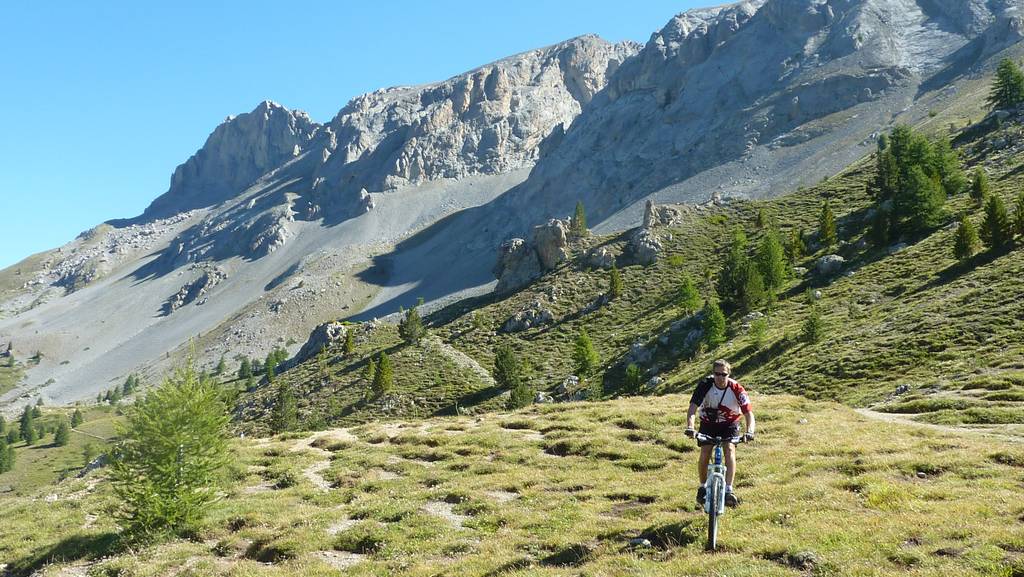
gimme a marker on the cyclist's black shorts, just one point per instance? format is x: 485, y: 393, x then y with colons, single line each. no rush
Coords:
x: 720, y: 429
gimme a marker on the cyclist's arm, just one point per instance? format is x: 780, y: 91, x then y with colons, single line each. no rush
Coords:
x: 748, y: 419
x: 691, y: 416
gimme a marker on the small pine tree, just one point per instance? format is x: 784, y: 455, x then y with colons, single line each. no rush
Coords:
x: 966, y: 241
x: 479, y: 324
x: 996, y: 229
x: 370, y: 372
x: 27, y: 425
x: 13, y: 436
x: 579, y: 221
x: 257, y: 366
x: 713, y: 325
x: 350, y: 341
x: 285, y: 408
x: 771, y: 260
x: 584, y: 355
x: 689, y: 298
x: 36, y: 412
x: 4, y: 465
x: 762, y: 218
x: 507, y: 371
x: 77, y: 418
x: 270, y: 366
x: 881, y: 224
x: 63, y: 434
x: 796, y: 249
x: 633, y: 378
x: 1018, y: 215
x: 244, y: 368
x: 980, y: 188
x: 3, y: 425
x: 383, y: 381
x: 753, y: 294
x: 827, y: 226
x: 222, y: 366
x: 89, y: 452
x: 614, y: 283
x: 521, y: 396
x: 814, y: 326
x: 410, y: 328
x: 166, y: 468
x: 924, y: 199
x: 759, y: 333
x: 1008, y: 86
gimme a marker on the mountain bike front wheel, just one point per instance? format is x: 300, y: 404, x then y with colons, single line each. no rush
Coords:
x: 713, y: 496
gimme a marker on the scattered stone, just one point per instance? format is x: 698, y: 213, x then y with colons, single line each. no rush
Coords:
x: 600, y: 257
x: 569, y: 384
x: 639, y: 543
x: 901, y: 390
x: 542, y: 398
x: 897, y: 248
x: 638, y: 354
x: 922, y: 475
x: 799, y: 271
x: 534, y: 315
x: 653, y: 383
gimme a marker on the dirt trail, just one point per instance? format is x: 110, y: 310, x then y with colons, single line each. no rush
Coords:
x: 1003, y: 433
x: 313, y: 472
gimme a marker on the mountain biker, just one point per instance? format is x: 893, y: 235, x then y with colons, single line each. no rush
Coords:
x: 721, y: 400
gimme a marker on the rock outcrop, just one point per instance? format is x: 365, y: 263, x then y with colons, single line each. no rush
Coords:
x: 533, y: 315
x: 195, y: 291
x: 240, y: 150
x: 519, y: 262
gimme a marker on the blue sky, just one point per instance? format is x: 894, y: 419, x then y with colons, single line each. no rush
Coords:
x: 101, y: 100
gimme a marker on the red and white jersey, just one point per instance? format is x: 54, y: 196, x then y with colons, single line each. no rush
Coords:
x: 720, y: 405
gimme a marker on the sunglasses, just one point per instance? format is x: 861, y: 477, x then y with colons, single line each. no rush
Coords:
x: 721, y: 374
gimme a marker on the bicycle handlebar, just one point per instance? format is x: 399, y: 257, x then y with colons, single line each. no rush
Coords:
x: 702, y: 438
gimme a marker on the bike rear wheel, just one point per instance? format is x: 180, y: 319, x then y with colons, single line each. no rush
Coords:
x: 714, y: 493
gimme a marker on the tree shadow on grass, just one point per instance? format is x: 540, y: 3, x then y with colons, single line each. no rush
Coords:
x: 68, y: 550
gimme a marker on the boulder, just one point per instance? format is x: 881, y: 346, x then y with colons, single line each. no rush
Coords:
x: 644, y: 247
x: 829, y: 265
x: 542, y: 398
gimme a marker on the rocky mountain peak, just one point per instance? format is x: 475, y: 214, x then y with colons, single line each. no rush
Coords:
x: 489, y: 120
x: 240, y: 150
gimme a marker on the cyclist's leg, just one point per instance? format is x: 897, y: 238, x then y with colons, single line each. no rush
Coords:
x: 730, y: 462
x: 702, y: 463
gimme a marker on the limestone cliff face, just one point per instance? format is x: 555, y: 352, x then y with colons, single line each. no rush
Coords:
x: 239, y: 151
x: 486, y: 121
x: 759, y: 81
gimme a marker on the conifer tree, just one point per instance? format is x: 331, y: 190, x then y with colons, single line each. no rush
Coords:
x: 881, y: 225
x: 1008, y: 87
x: 584, y: 355
x: 996, y: 229
x: 579, y: 220
x: 814, y: 326
x: 244, y: 368
x: 759, y: 332
x: 633, y: 378
x: 771, y: 261
x: 222, y: 366
x: 796, y: 249
x: 4, y: 465
x: 13, y: 436
x: 827, y: 226
x: 77, y: 418
x: 63, y: 434
x: 270, y: 367
x: 285, y: 408
x: 370, y: 372
x: 166, y: 468
x: 944, y: 164
x: 89, y: 452
x: 410, y: 328
x: 383, y: 381
x: 979, y: 185
x: 1018, y: 215
x: 350, y: 341
x: 733, y: 279
x: 965, y: 242
x: 713, y: 324
x: 522, y: 396
x: 3, y: 425
x: 27, y: 425
x: 924, y: 200
x: 507, y: 370
x: 762, y: 218
x: 614, y: 283
x: 689, y: 298
x: 753, y: 294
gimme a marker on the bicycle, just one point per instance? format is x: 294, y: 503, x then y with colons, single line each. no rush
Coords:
x: 714, y: 487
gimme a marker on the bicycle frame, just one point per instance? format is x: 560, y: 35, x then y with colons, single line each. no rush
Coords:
x: 714, y: 487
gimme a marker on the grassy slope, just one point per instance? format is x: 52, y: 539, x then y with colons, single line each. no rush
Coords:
x: 44, y: 463
x: 561, y: 489
x: 914, y: 318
